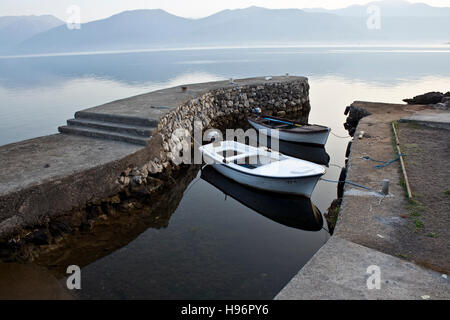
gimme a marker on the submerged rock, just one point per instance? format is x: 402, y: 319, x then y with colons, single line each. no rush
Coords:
x: 332, y: 214
x: 38, y: 237
x: 57, y: 228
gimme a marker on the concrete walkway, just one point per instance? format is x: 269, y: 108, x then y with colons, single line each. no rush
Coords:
x: 55, y: 173
x: 133, y: 120
x: 371, y: 230
x: 35, y: 161
x: 339, y: 271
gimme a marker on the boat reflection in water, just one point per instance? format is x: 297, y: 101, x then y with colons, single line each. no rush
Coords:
x: 289, y: 210
x: 313, y: 153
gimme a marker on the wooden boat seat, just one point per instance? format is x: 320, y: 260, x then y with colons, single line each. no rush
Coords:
x: 240, y: 156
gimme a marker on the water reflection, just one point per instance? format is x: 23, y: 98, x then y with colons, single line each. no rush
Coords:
x: 27, y: 281
x: 187, y: 243
x: 292, y: 211
x: 307, y: 152
x: 159, y: 66
x: 127, y: 221
x: 39, y: 94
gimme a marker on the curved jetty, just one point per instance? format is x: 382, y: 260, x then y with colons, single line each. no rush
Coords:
x: 123, y: 146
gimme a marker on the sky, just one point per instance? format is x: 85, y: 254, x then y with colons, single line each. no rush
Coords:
x: 99, y: 9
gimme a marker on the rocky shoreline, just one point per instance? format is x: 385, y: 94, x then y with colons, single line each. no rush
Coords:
x: 435, y: 99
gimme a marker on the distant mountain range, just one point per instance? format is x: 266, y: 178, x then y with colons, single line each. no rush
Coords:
x: 391, y: 8
x: 401, y: 21
x: 16, y: 29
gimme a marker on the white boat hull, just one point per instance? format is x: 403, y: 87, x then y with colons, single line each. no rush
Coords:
x: 262, y: 168
x: 318, y: 138
x: 303, y: 186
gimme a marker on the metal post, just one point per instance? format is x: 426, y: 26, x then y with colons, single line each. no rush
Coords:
x: 385, y: 187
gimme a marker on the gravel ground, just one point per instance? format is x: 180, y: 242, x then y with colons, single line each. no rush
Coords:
x: 427, y: 160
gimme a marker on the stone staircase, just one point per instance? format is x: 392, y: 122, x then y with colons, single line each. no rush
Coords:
x: 111, y: 127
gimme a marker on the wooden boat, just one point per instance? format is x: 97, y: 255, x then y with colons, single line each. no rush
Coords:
x: 297, y: 212
x: 262, y: 168
x: 289, y: 130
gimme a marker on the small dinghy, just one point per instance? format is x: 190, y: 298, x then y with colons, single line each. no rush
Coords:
x: 289, y: 130
x: 298, y: 212
x: 262, y: 168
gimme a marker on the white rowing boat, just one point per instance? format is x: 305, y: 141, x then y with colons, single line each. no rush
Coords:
x: 298, y: 212
x: 262, y: 168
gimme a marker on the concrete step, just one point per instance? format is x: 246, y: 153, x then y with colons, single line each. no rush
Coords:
x: 431, y: 118
x: 104, y: 134
x: 140, y: 131
x: 122, y: 119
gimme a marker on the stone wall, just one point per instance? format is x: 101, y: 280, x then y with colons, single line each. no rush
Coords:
x: 218, y: 108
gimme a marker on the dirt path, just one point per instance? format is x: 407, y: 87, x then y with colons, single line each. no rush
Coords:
x: 427, y: 163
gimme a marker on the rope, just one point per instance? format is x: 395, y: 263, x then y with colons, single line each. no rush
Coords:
x: 341, y: 137
x: 192, y: 184
x: 384, y: 163
x: 353, y: 184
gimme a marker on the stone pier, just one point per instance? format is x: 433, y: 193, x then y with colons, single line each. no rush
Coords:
x: 124, y: 146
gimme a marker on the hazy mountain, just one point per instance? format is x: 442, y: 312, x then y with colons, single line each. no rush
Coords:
x: 390, y: 8
x: 400, y: 21
x: 256, y: 25
x: 151, y: 28
x: 16, y: 29
x: 140, y: 29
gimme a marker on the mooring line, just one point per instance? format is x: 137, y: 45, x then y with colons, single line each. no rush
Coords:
x: 337, y: 136
x: 336, y: 165
x: 194, y: 181
x: 353, y: 184
x: 192, y: 184
x: 323, y: 228
x: 384, y: 163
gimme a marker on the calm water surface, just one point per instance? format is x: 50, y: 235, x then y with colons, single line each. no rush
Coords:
x: 216, y: 243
